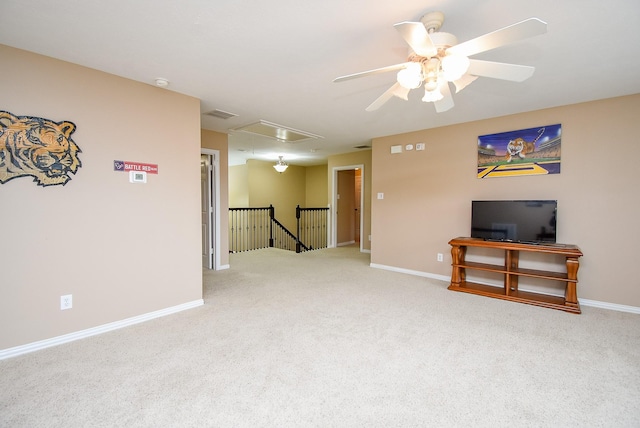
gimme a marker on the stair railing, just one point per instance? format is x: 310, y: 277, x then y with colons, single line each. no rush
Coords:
x: 255, y: 228
x: 250, y: 229
x: 312, y: 227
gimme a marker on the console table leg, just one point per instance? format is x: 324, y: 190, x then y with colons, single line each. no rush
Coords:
x: 571, y: 296
x: 511, y: 262
x: 457, y: 273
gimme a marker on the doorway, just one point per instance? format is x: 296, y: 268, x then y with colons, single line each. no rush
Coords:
x: 210, y: 211
x: 348, y: 202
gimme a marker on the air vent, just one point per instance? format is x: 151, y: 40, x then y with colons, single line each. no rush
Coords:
x: 362, y: 147
x: 220, y: 114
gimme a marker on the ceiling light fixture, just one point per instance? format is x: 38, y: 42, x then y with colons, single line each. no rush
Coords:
x: 281, y: 166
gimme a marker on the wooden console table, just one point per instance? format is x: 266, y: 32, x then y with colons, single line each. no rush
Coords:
x: 512, y: 272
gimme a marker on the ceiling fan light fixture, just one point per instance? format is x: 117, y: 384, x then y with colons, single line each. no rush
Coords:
x: 281, y: 166
x: 431, y: 84
x: 442, y: 59
x: 411, y: 76
x: 454, y: 66
x: 432, y: 96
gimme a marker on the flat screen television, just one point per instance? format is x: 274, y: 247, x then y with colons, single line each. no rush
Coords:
x: 517, y: 221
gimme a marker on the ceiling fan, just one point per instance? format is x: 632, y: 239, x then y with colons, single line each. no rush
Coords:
x: 436, y: 58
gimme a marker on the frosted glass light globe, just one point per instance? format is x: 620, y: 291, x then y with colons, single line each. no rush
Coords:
x: 454, y: 66
x: 411, y: 76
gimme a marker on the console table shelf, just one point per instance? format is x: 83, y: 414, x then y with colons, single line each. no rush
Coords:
x: 511, y: 272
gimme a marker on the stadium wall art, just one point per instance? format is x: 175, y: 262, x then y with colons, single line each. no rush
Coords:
x: 37, y: 147
x: 532, y: 151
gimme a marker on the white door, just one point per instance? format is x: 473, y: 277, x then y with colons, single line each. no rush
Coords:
x: 207, y: 198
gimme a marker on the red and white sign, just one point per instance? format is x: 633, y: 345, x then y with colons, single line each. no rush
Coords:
x: 149, y: 168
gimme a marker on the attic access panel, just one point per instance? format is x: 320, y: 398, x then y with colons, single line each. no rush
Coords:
x: 278, y: 132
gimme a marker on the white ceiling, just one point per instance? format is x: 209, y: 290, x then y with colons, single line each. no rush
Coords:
x: 275, y: 60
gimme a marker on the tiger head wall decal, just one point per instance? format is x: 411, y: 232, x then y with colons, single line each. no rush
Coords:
x: 37, y: 147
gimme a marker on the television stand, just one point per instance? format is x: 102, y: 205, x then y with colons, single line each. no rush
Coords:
x: 512, y: 272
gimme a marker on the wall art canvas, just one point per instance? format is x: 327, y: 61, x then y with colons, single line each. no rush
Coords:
x: 37, y: 147
x: 533, y: 151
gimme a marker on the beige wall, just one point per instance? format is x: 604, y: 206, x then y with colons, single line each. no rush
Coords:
x: 219, y: 141
x: 284, y: 191
x: 428, y: 194
x: 257, y: 184
x: 120, y: 249
x: 239, y: 186
x: 352, y: 159
x: 317, y: 183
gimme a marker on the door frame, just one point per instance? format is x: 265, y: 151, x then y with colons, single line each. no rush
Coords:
x: 333, y: 242
x: 215, y: 176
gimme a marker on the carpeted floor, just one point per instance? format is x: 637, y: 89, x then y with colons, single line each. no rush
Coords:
x: 320, y: 339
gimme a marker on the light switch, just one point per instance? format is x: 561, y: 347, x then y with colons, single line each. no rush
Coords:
x: 380, y: 195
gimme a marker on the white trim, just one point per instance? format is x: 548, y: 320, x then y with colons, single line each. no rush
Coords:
x: 583, y: 302
x: 334, y: 201
x: 610, y: 306
x: 83, y: 334
x: 216, y: 159
x: 344, y: 244
x: 215, y: 154
x: 411, y: 272
x: 222, y: 267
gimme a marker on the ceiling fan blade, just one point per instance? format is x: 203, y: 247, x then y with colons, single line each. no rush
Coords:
x: 464, y: 81
x: 396, y: 90
x: 513, y: 33
x: 500, y: 70
x: 416, y: 35
x: 370, y: 72
x: 446, y: 103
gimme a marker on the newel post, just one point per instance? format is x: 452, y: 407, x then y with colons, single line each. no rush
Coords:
x: 298, y: 249
x: 272, y: 214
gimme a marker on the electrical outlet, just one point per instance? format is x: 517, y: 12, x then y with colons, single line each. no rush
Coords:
x: 440, y: 257
x: 66, y: 302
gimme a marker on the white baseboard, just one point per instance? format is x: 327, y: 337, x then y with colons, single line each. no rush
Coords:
x: 411, y: 272
x: 82, y: 334
x: 344, y: 244
x: 611, y: 306
x: 223, y: 267
x: 583, y: 302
